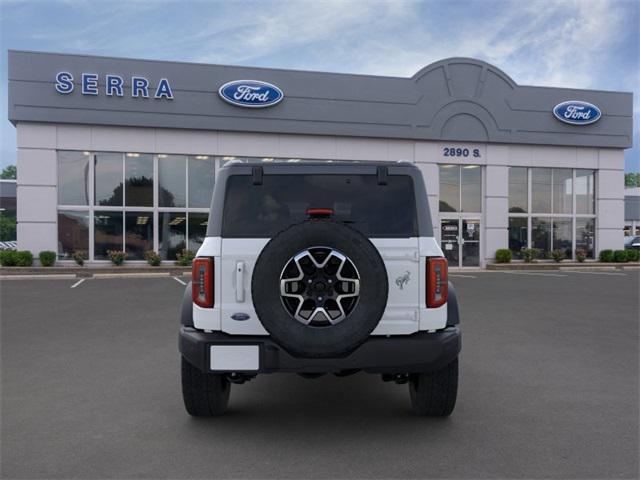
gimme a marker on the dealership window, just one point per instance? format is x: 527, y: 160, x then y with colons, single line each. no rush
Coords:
x: 585, y: 192
x: 108, y: 179
x: 200, y: 182
x: 138, y: 234
x: 585, y: 235
x: 73, y: 178
x: 518, y: 229
x: 551, y: 209
x: 541, y: 235
x: 73, y: 232
x: 138, y: 175
x: 518, y: 190
x: 197, y: 229
x: 540, y: 190
x: 172, y: 178
x: 172, y: 233
x: 108, y: 233
x: 132, y: 201
x: 460, y: 188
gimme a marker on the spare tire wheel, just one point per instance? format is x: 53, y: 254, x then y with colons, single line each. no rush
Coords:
x: 319, y: 288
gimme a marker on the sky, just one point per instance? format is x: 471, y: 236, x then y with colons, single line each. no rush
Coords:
x: 562, y: 43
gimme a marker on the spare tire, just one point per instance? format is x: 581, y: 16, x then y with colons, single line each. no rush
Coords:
x: 319, y: 288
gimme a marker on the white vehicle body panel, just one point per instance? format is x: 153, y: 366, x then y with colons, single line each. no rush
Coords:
x: 404, y: 258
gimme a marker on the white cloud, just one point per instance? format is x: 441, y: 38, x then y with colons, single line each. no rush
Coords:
x: 570, y: 43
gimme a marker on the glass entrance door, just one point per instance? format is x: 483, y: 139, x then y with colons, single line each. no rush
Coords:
x: 450, y: 230
x: 470, y: 242
x: 461, y: 241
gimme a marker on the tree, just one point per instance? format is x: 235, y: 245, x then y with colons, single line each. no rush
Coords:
x: 632, y: 180
x: 9, y: 172
x: 7, y: 228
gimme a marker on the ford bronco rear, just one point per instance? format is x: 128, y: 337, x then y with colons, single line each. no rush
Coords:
x: 319, y: 268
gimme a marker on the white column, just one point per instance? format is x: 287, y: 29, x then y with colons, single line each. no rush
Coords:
x: 496, y: 210
x: 610, y: 200
x: 37, y: 188
x: 431, y: 177
x: 426, y: 157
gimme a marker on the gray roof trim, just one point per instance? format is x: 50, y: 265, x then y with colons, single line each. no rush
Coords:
x: 456, y: 99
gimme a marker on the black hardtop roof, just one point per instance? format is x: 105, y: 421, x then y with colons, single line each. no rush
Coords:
x: 299, y: 163
x: 258, y: 167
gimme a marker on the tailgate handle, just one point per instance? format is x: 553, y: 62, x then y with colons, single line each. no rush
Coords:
x: 239, y: 281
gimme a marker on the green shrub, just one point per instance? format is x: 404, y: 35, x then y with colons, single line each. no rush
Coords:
x: 47, y: 258
x: 633, y: 255
x: 185, y: 258
x: 8, y: 258
x: 80, y: 256
x: 558, y: 255
x: 529, y: 254
x: 152, y: 258
x: 117, y: 257
x: 581, y: 254
x: 24, y: 258
x: 620, y: 256
x: 606, y: 256
x: 503, y: 255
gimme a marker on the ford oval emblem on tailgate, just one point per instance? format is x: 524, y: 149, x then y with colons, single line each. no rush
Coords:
x: 240, y: 316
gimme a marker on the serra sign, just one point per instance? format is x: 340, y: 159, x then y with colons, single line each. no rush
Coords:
x: 113, y: 85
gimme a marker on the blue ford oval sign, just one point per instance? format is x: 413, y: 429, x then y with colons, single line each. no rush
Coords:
x: 250, y: 93
x: 576, y: 112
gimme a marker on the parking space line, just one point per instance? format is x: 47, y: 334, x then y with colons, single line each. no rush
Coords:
x: 537, y: 274
x: 78, y: 283
x: 597, y: 273
x: 178, y: 280
x: 461, y: 276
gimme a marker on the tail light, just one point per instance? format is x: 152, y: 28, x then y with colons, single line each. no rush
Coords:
x: 202, y: 282
x: 319, y: 212
x: 437, y: 282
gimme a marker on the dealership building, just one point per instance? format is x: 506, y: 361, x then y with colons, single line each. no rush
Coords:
x: 122, y: 154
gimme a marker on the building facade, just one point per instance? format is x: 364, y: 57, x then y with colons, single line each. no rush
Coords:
x: 122, y: 154
x: 7, y: 214
x: 632, y: 211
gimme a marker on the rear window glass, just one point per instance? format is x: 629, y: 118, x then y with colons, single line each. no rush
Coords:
x: 261, y: 211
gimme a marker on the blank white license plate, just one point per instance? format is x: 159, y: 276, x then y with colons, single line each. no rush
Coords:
x: 234, y: 357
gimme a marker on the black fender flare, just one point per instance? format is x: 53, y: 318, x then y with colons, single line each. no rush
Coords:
x: 186, y: 309
x: 453, y: 312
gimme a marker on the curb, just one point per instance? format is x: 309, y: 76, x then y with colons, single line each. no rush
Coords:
x: 39, y: 277
x: 561, y: 266
x: 97, y: 276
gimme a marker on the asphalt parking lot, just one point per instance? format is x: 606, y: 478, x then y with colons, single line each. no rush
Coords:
x: 549, y: 389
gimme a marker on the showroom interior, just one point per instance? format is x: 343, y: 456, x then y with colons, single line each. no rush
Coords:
x: 101, y: 168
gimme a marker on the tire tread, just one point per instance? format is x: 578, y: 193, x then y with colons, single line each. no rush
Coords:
x: 204, y: 394
x: 434, y: 394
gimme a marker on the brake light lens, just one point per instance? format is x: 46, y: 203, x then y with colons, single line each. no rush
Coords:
x: 202, y: 282
x: 437, y: 282
x: 319, y: 212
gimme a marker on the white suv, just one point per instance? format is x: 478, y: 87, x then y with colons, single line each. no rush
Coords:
x: 319, y: 268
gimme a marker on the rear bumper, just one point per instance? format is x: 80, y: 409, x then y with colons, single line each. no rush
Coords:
x: 420, y: 352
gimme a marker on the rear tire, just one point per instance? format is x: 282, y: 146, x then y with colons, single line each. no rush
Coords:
x: 434, y: 394
x: 204, y: 394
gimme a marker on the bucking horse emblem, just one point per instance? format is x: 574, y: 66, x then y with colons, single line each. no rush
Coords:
x: 402, y: 280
